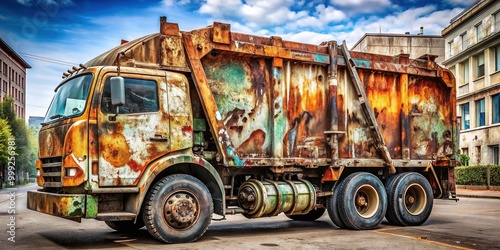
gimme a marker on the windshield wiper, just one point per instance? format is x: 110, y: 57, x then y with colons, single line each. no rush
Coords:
x: 57, y: 116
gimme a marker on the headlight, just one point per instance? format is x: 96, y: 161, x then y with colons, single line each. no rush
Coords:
x: 70, y: 172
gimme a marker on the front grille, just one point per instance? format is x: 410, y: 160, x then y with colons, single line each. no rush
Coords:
x: 51, y: 168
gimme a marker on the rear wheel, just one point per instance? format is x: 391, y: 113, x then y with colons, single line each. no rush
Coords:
x: 389, y: 185
x: 311, y: 216
x: 362, y: 201
x: 126, y: 226
x: 410, y: 200
x: 332, y: 206
x: 178, y: 209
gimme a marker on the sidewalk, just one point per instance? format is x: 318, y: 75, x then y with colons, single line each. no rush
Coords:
x: 478, y: 193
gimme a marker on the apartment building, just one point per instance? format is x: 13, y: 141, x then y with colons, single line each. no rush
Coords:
x: 13, y: 78
x: 473, y: 54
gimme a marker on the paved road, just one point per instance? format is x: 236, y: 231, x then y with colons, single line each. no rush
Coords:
x: 471, y: 223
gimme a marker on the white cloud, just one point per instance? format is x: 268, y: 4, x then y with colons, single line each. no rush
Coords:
x: 221, y: 8
x: 273, y: 13
x: 308, y: 37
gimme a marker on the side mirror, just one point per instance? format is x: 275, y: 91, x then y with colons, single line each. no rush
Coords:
x: 117, y: 94
x: 117, y: 91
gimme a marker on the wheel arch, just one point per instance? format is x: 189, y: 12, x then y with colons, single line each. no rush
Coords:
x: 184, y: 164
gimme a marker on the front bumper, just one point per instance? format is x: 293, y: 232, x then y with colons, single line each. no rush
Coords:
x: 68, y: 206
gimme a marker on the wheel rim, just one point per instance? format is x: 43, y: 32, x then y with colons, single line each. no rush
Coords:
x: 415, y: 199
x: 181, y: 210
x: 366, y: 201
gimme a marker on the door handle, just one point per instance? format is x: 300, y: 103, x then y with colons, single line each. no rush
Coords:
x: 159, y: 138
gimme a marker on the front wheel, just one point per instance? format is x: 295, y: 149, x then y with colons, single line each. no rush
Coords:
x: 362, y: 201
x: 178, y: 209
x: 410, y: 200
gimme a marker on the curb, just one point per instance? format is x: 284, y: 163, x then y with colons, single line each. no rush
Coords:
x: 478, y: 196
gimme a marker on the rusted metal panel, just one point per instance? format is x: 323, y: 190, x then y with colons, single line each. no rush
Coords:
x: 76, y: 154
x: 305, y: 102
x: 221, y: 33
x: 431, y: 119
x: 278, y: 112
x: 224, y: 144
x: 172, y: 52
x: 179, y: 114
x: 241, y: 89
x: 169, y: 29
x: 385, y: 98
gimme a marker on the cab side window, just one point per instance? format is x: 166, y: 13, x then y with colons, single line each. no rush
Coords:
x: 141, y: 96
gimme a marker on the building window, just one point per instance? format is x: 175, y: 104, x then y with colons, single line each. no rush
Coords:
x: 497, y: 58
x: 480, y: 65
x: 465, y: 151
x: 497, y: 21
x: 5, y: 69
x: 464, y: 41
x: 495, y: 154
x: 480, y: 113
x: 464, y: 71
x: 464, y: 110
x: 479, y: 32
x: 0, y: 66
x: 450, y: 48
x: 495, y: 108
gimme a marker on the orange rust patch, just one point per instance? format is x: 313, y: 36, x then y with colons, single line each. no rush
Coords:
x: 115, y: 149
x: 254, y: 143
x: 135, y: 166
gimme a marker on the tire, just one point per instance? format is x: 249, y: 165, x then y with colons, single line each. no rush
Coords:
x: 389, y: 185
x: 311, y: 216
x: 362, y: 201
x: 126, y: 226
x: 410, y: 200
x: 178, y: 209
x: 332, y: 206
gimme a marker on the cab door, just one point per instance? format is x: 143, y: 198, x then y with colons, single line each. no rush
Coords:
x: 130, y: 140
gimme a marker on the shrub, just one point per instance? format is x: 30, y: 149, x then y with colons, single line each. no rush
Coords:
x: 471, y: 175
x: 495, y: 175
x: 463, y: 159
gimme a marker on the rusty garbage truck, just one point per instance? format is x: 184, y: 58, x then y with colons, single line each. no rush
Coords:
x: 167, y: 130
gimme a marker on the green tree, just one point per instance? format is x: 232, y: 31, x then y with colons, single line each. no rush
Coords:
x: 4, y: 148
x: 24, y: 158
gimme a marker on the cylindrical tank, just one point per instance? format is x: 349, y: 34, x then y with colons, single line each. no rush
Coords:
x: 269, y: 198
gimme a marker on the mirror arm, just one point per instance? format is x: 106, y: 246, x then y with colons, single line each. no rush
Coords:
x: 112, y: 118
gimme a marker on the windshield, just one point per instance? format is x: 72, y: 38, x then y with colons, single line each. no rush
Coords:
x: 70, y: 98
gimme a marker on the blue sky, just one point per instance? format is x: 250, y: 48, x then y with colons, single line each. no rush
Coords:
x: 52, y: 35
